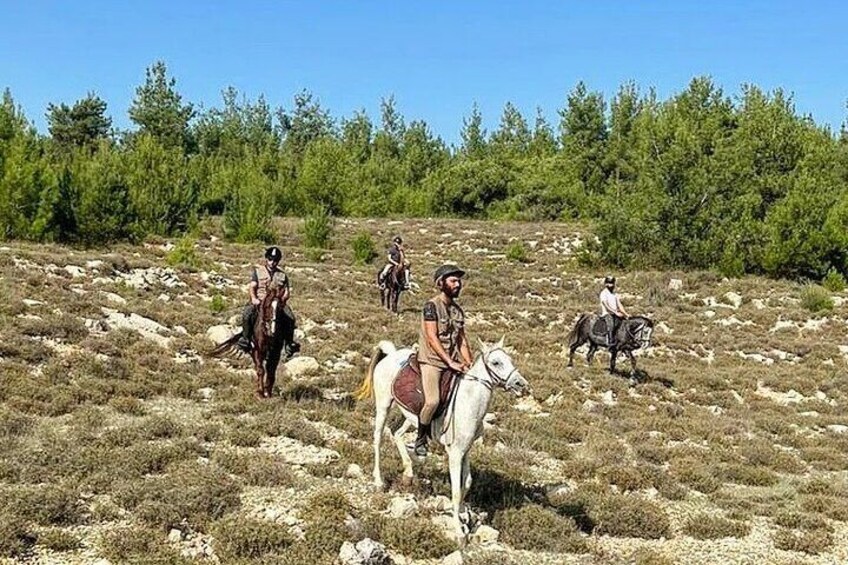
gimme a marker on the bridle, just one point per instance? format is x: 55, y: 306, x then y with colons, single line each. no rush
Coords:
x: 494, y: 379
x: 641, y: 330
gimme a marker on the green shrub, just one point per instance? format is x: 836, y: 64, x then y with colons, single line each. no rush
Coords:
x: 240, y: 537
x: 416, y: 537
x: 184, y: 255
x: 816, y: 299
x: 517, y: 252
x: 318, y: 229
x: 708, y: 526
x: 136, y: 544
x: 45, y: 505
x: 532, y: 527
x: 629, y: 516
x: 218, y: 304
x: 195, y: 493
x: 834, y: 281
x: 802, y: 521
x: 363, y: 248
x: 58, y: 540
x: 811, y: 541
x: 15, y: 537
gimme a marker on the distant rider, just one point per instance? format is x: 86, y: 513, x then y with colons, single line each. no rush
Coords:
x: 396, y: 260
x: 611, y: 310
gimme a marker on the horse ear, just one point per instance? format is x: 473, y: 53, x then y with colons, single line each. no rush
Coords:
x: 501, y: 342
x: 483, y: 347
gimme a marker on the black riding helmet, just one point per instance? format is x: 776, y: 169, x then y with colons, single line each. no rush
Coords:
x: 398, y: 239
x: 447, y: 270
x: 274, y: 254
x: 609, y: 280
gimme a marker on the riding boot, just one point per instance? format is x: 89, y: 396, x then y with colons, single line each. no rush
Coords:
x: 421, y: 440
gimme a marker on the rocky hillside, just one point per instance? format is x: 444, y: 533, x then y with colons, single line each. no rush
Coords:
x: 123, y: 442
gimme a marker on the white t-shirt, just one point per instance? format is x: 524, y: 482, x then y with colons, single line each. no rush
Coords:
x: 609, y: 303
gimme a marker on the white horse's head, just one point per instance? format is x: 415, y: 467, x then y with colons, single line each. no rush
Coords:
x: 501, y: 369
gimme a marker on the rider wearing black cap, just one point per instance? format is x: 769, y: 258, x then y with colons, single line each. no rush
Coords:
x: 442, y: 345
x: 260, y: 278
x: 611, y: 309
x: 396, y: 259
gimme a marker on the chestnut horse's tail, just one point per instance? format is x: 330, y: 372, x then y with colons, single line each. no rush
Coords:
x: 574, y: 336
x: 366, y: 389
x: 228, y: 347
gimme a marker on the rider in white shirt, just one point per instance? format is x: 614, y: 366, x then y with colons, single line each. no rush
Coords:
x: 611, y: 309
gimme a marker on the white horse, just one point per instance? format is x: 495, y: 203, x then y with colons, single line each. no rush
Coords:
x: 492, y: 368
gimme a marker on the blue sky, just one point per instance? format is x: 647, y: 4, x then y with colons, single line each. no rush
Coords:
x: 436, y: 58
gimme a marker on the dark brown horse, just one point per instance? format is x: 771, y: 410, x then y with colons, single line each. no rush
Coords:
x: 268, y: 338
x: 396, y: 282
x: 632, y: 333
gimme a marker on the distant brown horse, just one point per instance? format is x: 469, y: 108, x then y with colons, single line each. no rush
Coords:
x: 268, y: 337
x: 396, y: 282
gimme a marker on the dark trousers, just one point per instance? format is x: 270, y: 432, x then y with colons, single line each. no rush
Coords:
x: 613, y: 322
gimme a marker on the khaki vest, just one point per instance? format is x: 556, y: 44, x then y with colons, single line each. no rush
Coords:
x: 450, y: 321
x: 264, y: 280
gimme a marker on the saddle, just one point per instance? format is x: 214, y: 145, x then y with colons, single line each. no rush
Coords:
x: 600, y: 327
x: 408, y: 392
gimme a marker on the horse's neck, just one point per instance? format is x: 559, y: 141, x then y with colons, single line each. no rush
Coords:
x: 472, y: 394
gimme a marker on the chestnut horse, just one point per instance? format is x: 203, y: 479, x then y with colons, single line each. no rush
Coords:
x: 396, y: 282
x: 268, y: 337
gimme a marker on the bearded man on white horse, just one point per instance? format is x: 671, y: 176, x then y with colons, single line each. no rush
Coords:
x: 442, y: 345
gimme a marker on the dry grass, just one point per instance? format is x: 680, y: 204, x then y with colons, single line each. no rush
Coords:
x: 110, y: 414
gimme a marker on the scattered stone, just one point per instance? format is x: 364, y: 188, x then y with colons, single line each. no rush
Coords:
x: 74, y: 271
x: 484, y: 535
x: 608, y: 398
x: 116, y: 298
x: 206, y: 393
x: 94, y: 264
x: 454, y: 558
x: 402, y: 506
x: 301, y: 366
x: 220, y: 334
x: 663, y: 327
x: 354, y: 471
x: 365, y: 552
x: 733, y: 299
x: 675, y: 284
x: 175, y: 536
x: 29, y: 302
x: 145, y: 326
x: 837, y: 428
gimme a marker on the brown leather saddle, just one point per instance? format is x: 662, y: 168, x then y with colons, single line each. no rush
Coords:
x: 408, y: 392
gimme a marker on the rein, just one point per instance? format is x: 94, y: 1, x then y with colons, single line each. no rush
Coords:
x: 494, y: 379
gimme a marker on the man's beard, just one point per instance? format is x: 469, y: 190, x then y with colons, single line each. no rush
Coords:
x: 454, y: 292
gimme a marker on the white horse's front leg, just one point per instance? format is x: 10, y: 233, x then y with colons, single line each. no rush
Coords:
x: 455, y: 461
x: 466, y: 475
x: 404, y: 455
x: 379, y: 423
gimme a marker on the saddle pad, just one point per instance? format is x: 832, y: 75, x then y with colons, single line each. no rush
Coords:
x: 600, y: 327
x: 407, y: 390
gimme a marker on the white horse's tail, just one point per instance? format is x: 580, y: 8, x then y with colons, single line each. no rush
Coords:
x: 382, y: 349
